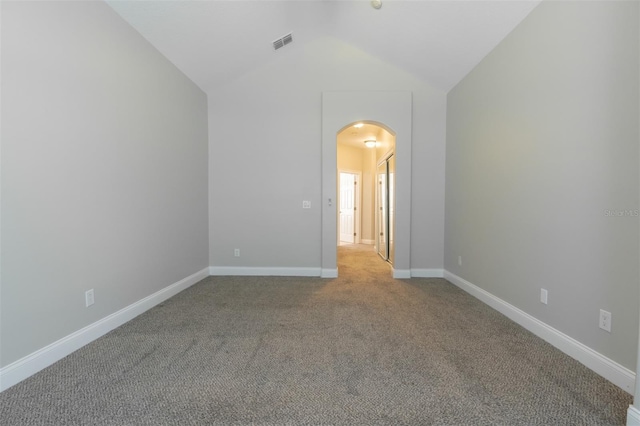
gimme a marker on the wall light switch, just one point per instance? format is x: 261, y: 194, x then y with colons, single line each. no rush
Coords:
x: 306, y: 204
x: 544, y: 296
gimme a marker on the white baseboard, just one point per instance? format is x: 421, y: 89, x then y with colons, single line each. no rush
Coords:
x: 329, y: 273
x: 427, y: 273
x: 607, y: 368
x: 265, y: 271
x: 633, y: 416
x: 417, y: 273
x: 42, y: 358
x: 401, y: 274
x: 369, y: 242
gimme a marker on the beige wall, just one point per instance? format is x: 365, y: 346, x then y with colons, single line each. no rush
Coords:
x: 350, y: 158
x: 104, y: 171
x: 386, y: 144
x: 542, y: 172
x: 361, y: 160
x: 284, y: 99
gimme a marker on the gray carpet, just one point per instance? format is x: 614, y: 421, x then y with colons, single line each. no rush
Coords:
x: 362, y: 349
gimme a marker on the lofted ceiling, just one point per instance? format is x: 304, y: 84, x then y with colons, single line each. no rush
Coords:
x: 213, y: 41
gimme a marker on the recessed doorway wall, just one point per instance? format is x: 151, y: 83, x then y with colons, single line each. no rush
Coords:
x: 391, y: 110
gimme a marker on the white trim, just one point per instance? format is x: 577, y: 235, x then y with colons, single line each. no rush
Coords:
x: 264, y: 271
x: 401, y: 273
x: 427, y: 273
x: 607, y: 368
x: 633, y: 416
x: 329, y: 273
x: 44, y: 357
x: 369, y: 242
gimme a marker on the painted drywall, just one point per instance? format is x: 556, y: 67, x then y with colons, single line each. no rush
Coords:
x: 350, y: 158
x: 368, y: 196
x: 385, y: 146
x: 361, y: 160
x: 104, y: 171
x: 542, y: 172
x: 634, y: 411
x: 274, y: 114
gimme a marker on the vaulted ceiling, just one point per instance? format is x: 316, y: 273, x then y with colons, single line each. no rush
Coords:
x: 213, y: 41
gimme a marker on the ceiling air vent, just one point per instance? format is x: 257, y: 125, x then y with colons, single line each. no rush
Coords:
x: 281, y: 42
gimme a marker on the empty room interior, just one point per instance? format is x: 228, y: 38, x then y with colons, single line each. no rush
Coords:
x: 482, y: 150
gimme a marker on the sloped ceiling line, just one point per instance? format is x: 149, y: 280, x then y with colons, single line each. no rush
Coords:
x: 438, y: 41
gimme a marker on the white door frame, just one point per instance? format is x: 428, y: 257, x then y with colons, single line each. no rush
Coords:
x: 357, y: 220
x: 393, y: 111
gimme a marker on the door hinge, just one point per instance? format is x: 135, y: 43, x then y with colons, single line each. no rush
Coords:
x: 354, y: 234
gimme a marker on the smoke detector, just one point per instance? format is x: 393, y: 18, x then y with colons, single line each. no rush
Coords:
x: 376, y: 4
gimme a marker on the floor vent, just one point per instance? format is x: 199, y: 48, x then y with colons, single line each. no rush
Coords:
x: 281, y: 42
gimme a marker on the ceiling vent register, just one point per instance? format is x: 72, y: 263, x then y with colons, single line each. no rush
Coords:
x: 281, y: 42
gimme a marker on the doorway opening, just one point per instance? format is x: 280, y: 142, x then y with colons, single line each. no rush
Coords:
x: 394, y: 109
x: 365, y: 178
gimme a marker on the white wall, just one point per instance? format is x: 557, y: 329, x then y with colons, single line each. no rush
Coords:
x: 104, y: 171
x: 542, y: 156
x: 265, y: 156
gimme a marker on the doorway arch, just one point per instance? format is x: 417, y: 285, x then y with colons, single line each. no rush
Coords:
x: 375, y: 191
x: 393, y: 111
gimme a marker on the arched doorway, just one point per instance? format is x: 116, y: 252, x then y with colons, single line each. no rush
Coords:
x: 340, y: 110
x: 366, y: 186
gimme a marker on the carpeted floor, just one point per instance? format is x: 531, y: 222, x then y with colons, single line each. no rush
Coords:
x: 363, y: 349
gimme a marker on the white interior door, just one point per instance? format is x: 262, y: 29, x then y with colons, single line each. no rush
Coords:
x: 347, y: 207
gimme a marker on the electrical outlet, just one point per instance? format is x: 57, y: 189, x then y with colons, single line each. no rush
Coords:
x: 306, y: 204
x: 605, y: 320
x: 459, y: 260
x: 544, y: 296
x: 236, y: 252
x: 88, y: 298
